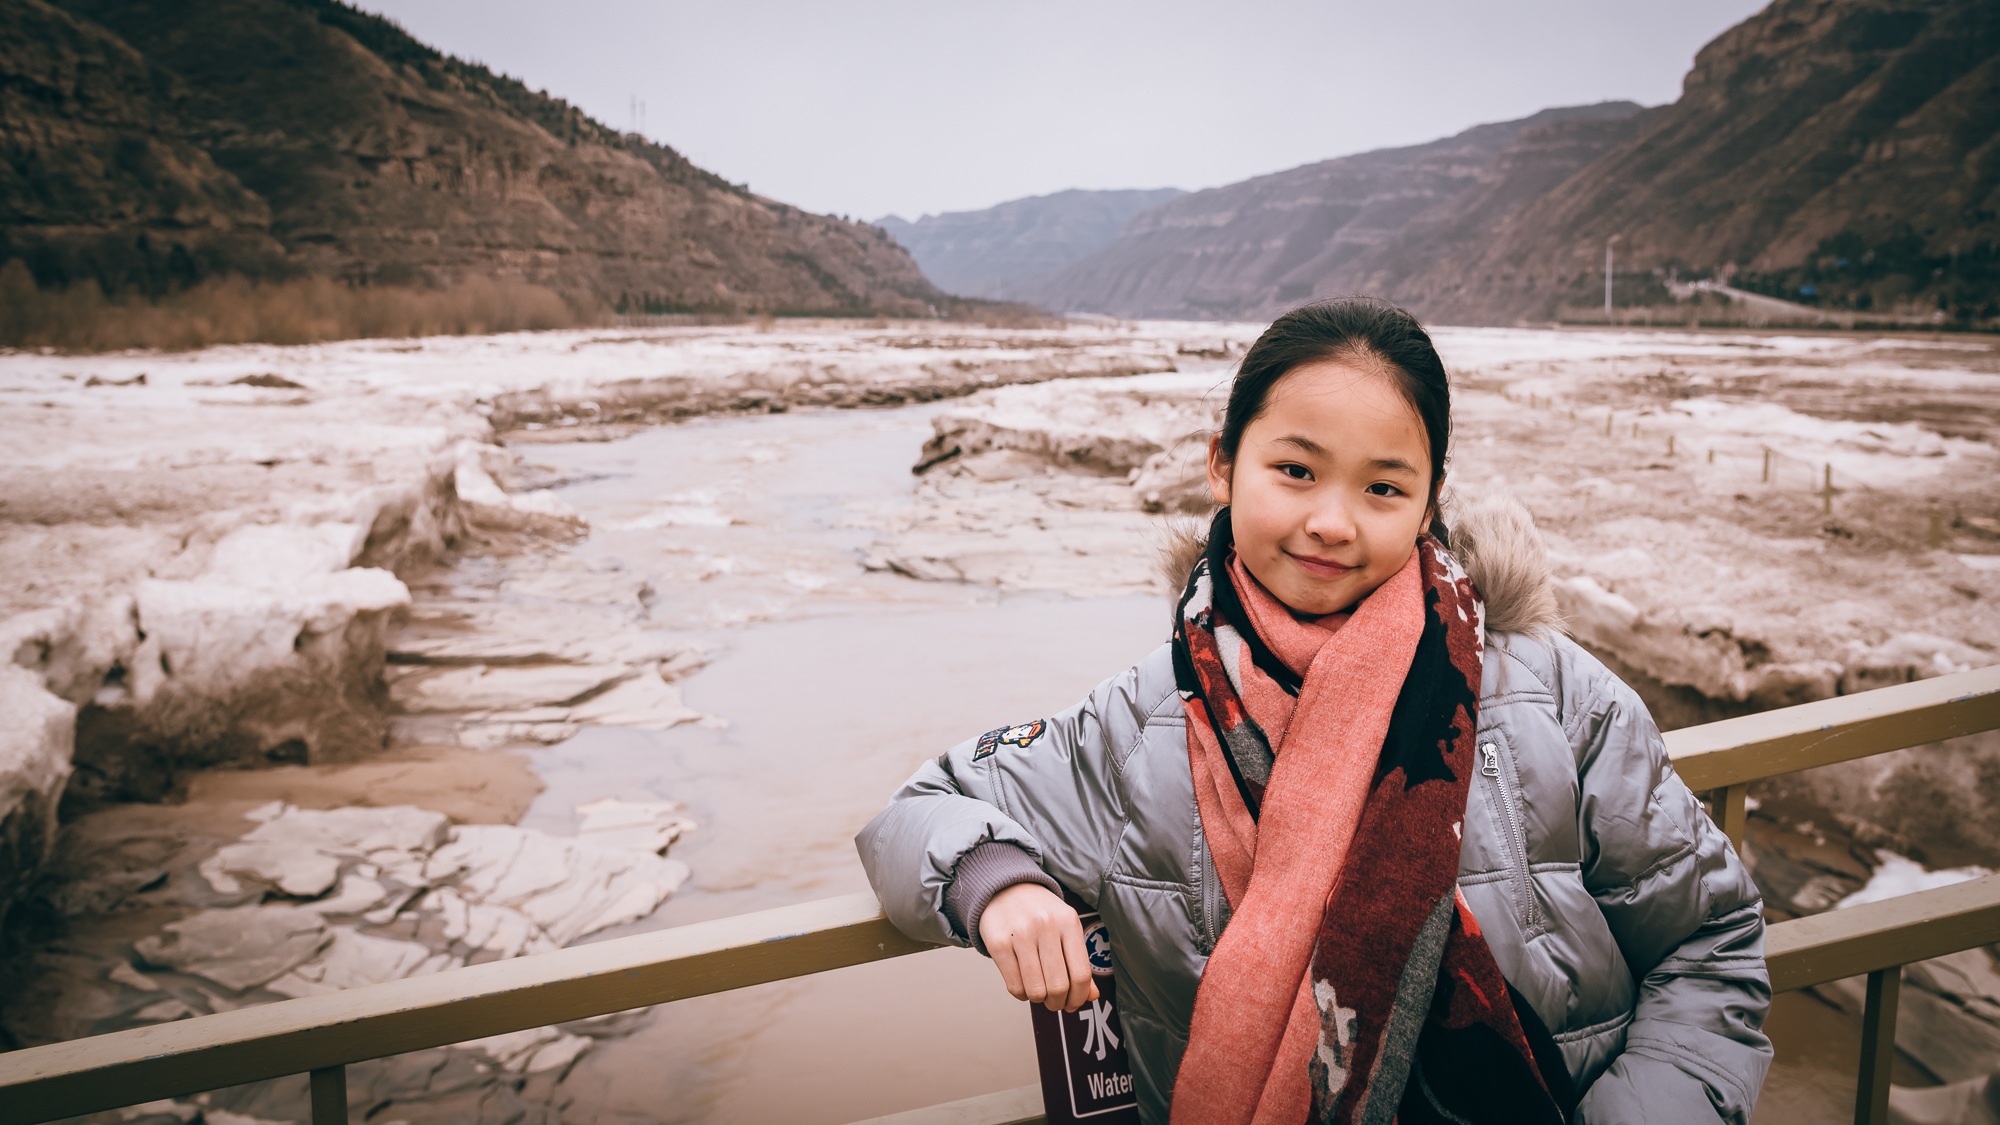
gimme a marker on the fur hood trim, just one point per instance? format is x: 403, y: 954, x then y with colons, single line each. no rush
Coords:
x: 1495, y: 540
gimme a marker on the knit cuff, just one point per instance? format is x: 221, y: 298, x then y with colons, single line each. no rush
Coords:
x: 981, y: 873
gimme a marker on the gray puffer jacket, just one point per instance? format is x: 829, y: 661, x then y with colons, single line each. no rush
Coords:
x: 1610, y: 901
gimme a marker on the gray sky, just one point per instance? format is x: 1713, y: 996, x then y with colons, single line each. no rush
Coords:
x: 908, y: 108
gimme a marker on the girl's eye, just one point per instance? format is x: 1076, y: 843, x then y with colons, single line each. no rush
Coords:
x: 1296, y: 472
x: 1383, y: 488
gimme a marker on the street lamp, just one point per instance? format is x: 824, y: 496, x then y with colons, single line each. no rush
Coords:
x: 1607, y: 275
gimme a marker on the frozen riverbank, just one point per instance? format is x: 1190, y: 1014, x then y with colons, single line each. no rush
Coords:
x: 202, y: 549
x: 232, y: 558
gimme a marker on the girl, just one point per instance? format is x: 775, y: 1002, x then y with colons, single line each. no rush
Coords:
x: 1374, y: 842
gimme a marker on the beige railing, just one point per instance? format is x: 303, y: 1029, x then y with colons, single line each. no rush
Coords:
x: 320, y: 1035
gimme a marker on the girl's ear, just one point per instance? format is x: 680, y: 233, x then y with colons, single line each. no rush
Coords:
x: 1219, y: 467
x: 1436, y: 513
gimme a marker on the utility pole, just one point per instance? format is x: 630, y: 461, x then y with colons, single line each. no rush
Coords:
x: 1607, y: 275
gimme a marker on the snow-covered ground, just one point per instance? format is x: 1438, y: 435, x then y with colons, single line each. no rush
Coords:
x: 208, y: 559
x: 195, y: 546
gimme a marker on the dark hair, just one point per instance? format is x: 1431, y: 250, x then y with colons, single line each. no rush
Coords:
x: 1358, y: 330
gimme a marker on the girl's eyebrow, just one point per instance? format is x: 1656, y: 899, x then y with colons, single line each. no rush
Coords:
x: 1380, y: 464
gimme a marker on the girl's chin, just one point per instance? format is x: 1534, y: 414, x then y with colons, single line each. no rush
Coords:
x: 1317, y: 599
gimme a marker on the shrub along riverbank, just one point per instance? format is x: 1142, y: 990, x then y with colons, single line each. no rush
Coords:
x: 235, y: 310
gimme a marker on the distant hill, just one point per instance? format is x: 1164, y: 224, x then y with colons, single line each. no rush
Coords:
x: 151, y: 143
x: 1838, y: 152
x: 1011, y: 249
x: 1248, y: 249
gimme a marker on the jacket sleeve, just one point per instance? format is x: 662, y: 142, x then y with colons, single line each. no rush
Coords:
x: 1053, y: 793
x: 1685, y: 914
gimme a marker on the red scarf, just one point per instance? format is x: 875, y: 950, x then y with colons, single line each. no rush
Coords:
x: 1332, y: 761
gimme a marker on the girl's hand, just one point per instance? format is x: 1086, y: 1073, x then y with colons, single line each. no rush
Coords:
x: 1037, y: 943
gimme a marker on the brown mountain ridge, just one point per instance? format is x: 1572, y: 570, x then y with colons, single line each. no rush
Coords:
x: 1252, y: 248
x: 1844, y: 153
x: 149, y: 144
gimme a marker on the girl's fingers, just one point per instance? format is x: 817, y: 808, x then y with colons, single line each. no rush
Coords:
x: 1082, y: 982
x: 1038, y: 947
x: 1010, y: 969
x: 1034, y: 976
x: 1054, y: 965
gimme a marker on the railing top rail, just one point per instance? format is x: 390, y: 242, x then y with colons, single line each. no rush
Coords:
x: 1879, y: 935
x: 1826, y: 731
x: 273, y: 1040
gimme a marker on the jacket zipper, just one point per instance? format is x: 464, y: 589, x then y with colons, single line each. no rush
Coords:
x: 1517, y: 840
x: 1211, y: 890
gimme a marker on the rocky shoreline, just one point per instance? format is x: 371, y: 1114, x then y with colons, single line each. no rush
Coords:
x: 298, y: 604
x: 205, y: 550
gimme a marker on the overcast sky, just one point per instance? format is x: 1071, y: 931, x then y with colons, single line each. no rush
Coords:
x: 909, y: 108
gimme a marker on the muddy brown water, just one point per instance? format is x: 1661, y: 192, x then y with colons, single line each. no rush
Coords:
x: 833, y: 695
x: 836, y: 683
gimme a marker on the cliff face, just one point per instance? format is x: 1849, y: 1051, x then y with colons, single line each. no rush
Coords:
x: 92, y: 163
x: 1249, y: 248
x: 1010, y: 250
x: 1541, y: 159
x: 334, y: 144
x: 1854, y: 131
x: 1843, y: 153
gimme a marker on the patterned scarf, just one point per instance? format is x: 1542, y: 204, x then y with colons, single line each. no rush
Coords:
x: 1332, y: 761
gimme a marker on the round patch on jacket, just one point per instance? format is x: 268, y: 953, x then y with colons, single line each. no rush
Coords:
x: 1020, y: 736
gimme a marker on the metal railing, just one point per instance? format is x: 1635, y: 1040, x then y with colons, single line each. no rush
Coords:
x: 320, y: 1035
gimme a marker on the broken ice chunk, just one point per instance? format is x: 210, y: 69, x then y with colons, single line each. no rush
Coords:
x: 238, y: 948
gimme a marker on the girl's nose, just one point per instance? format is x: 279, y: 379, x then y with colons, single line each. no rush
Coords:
x: 1330, y: 522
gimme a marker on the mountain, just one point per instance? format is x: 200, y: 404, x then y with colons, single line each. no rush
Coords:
x: 1010, y: 249
x: 1249, y: 248
x: 1845, y: 152
x: 150, y: 143
x: 95, y: 167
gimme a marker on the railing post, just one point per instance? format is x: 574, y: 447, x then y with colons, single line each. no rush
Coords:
x: 1729, y: 808
x: 329, y: 1095
x: 1878, y: 1046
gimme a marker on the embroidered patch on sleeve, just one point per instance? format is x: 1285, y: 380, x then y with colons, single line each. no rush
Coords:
x: 1020, y: 736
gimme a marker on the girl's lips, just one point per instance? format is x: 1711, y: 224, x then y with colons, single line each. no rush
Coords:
x: 1323, y: 568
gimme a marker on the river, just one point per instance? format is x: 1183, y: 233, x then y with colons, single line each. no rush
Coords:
x: 835, y: 683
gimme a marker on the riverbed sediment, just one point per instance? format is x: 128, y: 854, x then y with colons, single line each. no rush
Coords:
x: 203, y: 549
x: 318, y: 577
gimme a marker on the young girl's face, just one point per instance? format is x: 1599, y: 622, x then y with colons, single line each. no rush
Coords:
x: 1329, y: 488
